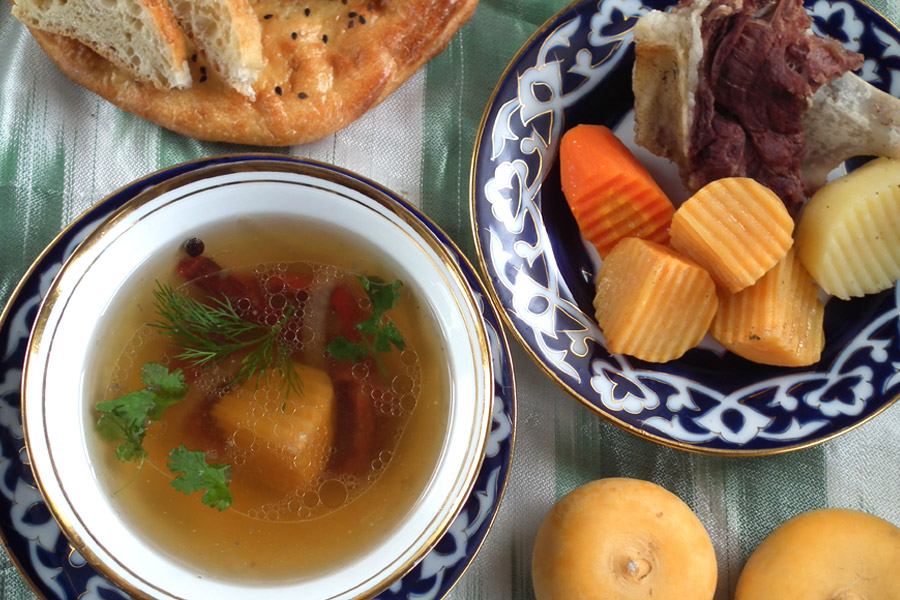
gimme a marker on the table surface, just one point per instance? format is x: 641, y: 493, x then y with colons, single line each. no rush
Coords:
x: 62, y: 149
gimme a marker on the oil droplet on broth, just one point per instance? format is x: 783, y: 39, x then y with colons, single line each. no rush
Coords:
x: 333, y: 493
x: 293, y: 457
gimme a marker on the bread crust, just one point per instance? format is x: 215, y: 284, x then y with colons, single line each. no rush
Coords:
x: 323, y: 71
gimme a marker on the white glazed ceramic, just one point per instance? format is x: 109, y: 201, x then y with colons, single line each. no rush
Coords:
x: 577, y: 69
x: 68, y: 332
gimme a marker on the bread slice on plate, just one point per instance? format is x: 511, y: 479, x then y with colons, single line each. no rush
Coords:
x: 140, y: 36
x: 229, y: 34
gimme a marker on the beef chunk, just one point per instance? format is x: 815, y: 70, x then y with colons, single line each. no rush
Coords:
x: 761, y: 65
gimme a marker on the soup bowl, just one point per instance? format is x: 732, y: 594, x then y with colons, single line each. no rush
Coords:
x: 337, y: 535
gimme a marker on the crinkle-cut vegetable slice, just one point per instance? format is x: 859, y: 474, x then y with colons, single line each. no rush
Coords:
x: 610, y: 193
x: 623, y: 539
x: 652, y: 303
x: 286, y: 438
x: 825, y: 554
x: 734, y: 227
x: 776, y: 321
x: 848, y: 235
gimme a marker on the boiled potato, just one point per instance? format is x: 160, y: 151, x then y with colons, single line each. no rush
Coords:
x: 284, y: 440
x: 848, y: 236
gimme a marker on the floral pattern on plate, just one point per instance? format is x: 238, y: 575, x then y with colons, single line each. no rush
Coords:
x: 577, y: 69
x: 36, y: 543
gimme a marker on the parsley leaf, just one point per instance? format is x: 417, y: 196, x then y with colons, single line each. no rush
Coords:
x: 126, y: 418
x: 384, y: 296
x: 198, y: 475
x: 376, y: 333
x: 343, y: 349
x: 388, y: 335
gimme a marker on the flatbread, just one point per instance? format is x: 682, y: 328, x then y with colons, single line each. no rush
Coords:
x: 328, y: 62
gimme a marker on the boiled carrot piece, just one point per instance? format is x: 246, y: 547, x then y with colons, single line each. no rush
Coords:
x: 356, y: 417
x: 734, y: 227
x: 610, y: 193
x: 242, y: 290
x: 776, y: 321
x: 652, y: 303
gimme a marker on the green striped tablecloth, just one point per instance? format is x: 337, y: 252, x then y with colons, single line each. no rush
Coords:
x: 62, y: 149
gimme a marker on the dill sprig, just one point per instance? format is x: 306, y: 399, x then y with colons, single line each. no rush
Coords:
x: 208, y: 333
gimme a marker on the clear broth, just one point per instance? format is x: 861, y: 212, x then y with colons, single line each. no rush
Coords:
x: 315, y: 522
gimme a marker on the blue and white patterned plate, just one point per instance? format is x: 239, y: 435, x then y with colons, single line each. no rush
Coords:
x: 575, y: 69
x: 35, y: 542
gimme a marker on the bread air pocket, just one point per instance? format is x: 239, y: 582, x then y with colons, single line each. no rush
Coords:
x: 139, y: 36
x: 229, y: 34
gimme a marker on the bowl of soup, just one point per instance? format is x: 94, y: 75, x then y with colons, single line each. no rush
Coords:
x: 266, y: 377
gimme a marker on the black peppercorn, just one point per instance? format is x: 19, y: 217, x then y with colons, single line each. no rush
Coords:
x: 194, y: 247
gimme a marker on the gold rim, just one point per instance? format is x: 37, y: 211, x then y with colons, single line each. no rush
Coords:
x: 4, y: 317
x: 382, y: 197
x: 533, y: 355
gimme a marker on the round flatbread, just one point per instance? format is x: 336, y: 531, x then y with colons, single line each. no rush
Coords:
x: 327, y: 63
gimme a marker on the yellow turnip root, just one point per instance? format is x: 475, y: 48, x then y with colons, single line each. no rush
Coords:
x: 625, y: 539
x: 826, y: 554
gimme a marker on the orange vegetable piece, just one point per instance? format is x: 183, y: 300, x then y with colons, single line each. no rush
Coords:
x: 736, y: 228
x: 610, y: 193
x: 776, y: 321
x: 623, y: 539
x: 828, y: 553
x: 652, y: 303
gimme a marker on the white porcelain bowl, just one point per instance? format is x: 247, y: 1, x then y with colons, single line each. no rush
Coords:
x: 62, y: 379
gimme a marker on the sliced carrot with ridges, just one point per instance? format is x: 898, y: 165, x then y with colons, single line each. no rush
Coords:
x: 776, y: 321
x: 734, y: 227
x: 652, y: 303
x: 610, y: 193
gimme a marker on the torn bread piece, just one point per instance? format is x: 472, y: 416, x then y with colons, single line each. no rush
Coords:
x: 668, y: 50
x: 140, y: 36
x: 228, y: 32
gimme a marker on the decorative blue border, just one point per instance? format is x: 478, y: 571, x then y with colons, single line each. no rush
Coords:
x: 34, y: 540
x: 578, y: 69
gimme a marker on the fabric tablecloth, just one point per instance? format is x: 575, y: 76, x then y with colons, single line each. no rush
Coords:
x: 62, y: 149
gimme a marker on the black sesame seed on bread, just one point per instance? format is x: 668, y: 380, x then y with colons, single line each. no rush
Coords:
x: 326, y: 63
x: 229, y: 35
